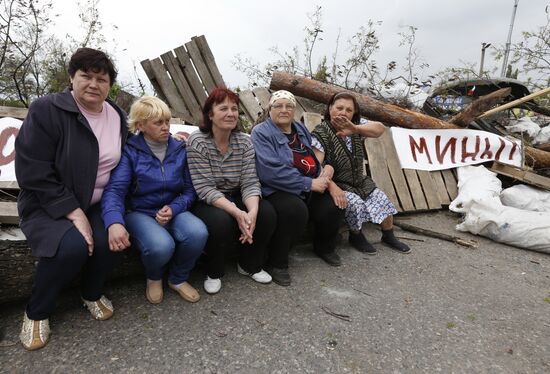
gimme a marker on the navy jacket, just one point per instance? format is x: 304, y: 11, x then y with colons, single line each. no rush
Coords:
x: 145, y: 184
x: 274, y: 161
x: 56, y: 162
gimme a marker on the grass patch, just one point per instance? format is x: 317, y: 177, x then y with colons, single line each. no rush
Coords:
x: 451, y: 325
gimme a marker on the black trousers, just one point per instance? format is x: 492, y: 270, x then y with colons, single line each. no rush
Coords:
x: 55, y: 273
x: 223, y: 236
x: 293, y: 213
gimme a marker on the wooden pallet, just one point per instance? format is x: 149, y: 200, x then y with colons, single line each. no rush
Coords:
x: 525, y: 176
x: 255, y: 102
x: 409, y: 190
x: 184, y: 76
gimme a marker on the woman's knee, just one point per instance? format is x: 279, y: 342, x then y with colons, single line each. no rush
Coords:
x: 219, y: 223
x: 72, y: 248
x: 290, y: 208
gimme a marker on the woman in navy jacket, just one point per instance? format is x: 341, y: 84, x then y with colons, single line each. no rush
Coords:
x: 294, y: 182
x: 65, y: 151
x: 153, y: 180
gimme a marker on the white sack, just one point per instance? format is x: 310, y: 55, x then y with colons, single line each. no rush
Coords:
x: 474, y: 182
x: 543, y: 137
x: 524, y: 125
x: 526, y: 197
x: 521, y: 228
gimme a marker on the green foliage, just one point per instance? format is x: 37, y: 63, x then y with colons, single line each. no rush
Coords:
x: 33, y: 63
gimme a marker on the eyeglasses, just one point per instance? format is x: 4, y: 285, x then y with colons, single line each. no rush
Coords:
x: 283, y: 106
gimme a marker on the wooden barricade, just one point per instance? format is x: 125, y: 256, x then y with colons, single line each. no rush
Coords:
x: 184, y: 76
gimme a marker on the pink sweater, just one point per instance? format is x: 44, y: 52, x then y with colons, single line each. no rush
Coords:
x: 106, y: 128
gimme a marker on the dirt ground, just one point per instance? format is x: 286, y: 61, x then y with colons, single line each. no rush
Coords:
x: 442, y: 308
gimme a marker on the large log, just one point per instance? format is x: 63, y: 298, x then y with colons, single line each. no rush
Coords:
x: 17, y: 266
x: 381, y: 111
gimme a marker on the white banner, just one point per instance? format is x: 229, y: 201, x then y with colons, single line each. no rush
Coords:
x: 9, y: 128
x: 439, y: 149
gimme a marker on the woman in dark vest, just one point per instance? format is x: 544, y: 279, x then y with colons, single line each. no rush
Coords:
x: 338, y: 141
x: 65, y: 151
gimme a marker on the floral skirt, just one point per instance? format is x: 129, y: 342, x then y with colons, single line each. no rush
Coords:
x: 375, y: 208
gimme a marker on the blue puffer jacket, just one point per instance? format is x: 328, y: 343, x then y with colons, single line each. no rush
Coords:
x: 146, y: 184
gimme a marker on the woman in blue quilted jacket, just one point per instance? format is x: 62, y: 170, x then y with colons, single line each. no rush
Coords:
x: 148, y: 199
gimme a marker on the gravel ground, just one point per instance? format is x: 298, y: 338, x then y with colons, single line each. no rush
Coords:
x: 442, y: 308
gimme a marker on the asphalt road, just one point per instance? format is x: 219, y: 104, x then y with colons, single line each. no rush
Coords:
x: 442, y: 308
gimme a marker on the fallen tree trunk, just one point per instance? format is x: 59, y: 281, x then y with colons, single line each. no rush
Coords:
x: 380, y: 111
x: 479, y: 106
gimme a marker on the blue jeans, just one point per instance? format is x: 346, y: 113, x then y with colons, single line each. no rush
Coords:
x: 181, y: 241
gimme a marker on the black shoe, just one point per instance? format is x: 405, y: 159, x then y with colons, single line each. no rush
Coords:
x: 389, y: 239
x: 280, y: 276
x: 359, y: 242
x: 330, y: 258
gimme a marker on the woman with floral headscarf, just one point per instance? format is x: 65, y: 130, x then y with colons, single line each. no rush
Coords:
x: 295, y: 183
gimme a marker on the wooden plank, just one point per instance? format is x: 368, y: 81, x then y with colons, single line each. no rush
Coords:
x: 311, y: 120
x: 379, y: 170
x: 263, y: 95
x: 522, y: 175
x: 306, y: 104
x: 200, y: 66
x: 8, y: 213
x: 248, y: 101
x: 416, y: 189
x: 396, y: 173
x: 450, y: 183
x: 8, y: 111
x: 147, y: 68
x: 440, y: 187
x: 209, y: 59
x: 182, y: 85
x: 299, y: 112
x: 191, y: 75
x: 9, y: 185
x: 430, y: 191
x: 170, y: 91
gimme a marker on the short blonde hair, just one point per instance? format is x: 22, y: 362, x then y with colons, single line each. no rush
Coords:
x: 146, y: 108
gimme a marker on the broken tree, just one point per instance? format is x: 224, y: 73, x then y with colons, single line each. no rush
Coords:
x: 381, y: 111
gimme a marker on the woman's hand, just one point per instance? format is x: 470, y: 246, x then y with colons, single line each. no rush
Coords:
x: 245, y: 225
x: 164, y: 215
x: 319, y: 184
x: 327, y: 172
x: 80, y: 221
x: 343, y: 126
x: 338, y: 196
x: 119, y: 239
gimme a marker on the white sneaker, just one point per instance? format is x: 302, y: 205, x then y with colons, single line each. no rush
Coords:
x: 261, y: 277
x: 212, y: 286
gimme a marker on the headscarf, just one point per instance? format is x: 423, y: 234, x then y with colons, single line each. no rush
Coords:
x: 282, y: 94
